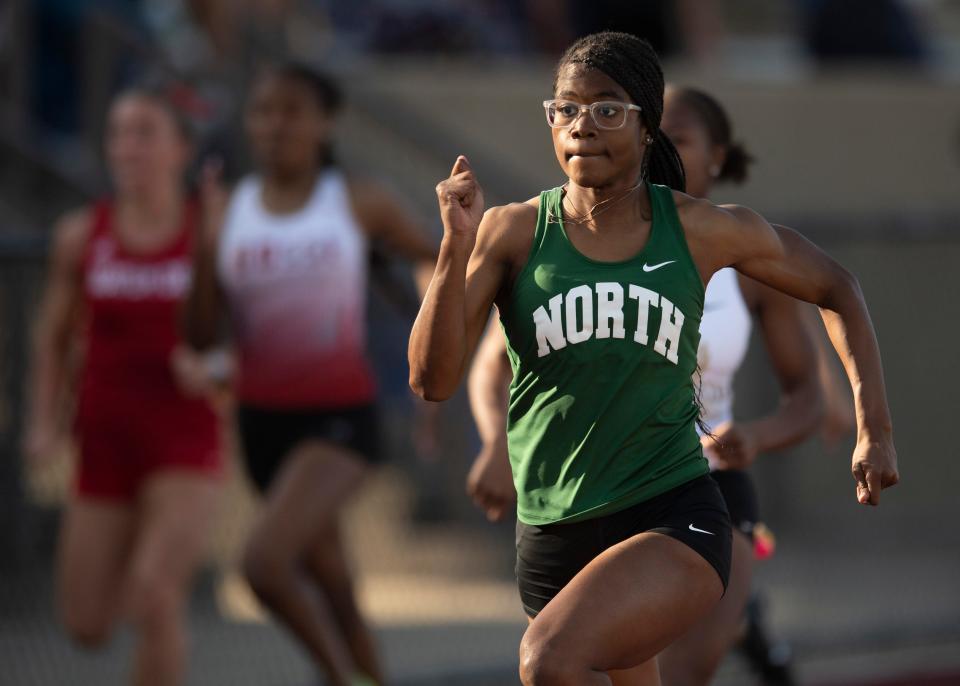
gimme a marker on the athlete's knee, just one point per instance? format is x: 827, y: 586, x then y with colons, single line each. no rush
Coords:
x: 687, y: 674
x: 267, y: 567
x: 88, y: 632
x: 543, y: 664
x: 154, y: 601
x: 87, y: 620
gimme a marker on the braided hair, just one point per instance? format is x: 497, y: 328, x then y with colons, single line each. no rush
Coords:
x: 633, y: 64
x: 714, y: 118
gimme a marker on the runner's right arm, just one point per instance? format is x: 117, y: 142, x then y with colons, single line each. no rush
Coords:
x: 469, y: 273
x: 54, y: 334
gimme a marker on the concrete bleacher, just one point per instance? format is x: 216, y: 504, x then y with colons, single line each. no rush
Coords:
x: 853, y: 144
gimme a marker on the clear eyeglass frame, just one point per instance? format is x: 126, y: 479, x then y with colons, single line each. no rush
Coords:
x: 593, y: 109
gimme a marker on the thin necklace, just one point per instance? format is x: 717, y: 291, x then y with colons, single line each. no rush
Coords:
x: 593, y: 212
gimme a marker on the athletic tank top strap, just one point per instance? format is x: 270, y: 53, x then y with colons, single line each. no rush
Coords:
x: 547, y: 209
x: 671, y: 239
x: 102, y: 212
x: 103, y: 227
x: 191, y: 226
x: 101, y: 219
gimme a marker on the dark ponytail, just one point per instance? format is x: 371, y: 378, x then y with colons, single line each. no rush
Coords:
x: 632, y: 63
x: 714, y: 118
x: 663, y: 164
x: 736, y: 165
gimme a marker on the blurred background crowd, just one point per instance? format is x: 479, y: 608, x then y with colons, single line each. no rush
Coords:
x: 852, y: 109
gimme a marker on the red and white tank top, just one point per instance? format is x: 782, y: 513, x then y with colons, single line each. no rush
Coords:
x: 724, y: 337
x: 132, y: 308
x: 297, y: 287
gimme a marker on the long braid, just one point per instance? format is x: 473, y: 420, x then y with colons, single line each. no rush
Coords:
x: 632, y: 63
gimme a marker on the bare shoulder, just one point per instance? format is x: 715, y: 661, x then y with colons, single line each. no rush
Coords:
x: 369, y: 196
x: 383, y: 211
x: 513, y: 215
x: 360, y: 186
x: 698, y: 215
x: 721, y: 235
x: 508, y: 229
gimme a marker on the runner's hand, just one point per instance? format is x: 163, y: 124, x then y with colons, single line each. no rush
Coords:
x: 40, y: 443
x: 190, y: 372
x: 490, y: 481
x: 461, y: 201
x: 874, y: 468
x: 733, y: 446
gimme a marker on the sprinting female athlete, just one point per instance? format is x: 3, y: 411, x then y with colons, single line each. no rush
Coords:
x: 149, y: 458
x: 290, y: 267
x: 700, y: 130
x: 623, y: 539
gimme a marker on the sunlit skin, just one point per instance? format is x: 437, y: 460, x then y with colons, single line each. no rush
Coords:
x: 598, y: 163
x: 694, y: 658
x: 649, y: 576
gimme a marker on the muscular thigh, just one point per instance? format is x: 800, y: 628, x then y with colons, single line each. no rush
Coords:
x: 695, y: 656
x: 550, y: 556
x: 272, y: 438
x: 305, y: 497
x: 629, y: 603
x: 646, y: 674
x: 95, y: 541
x: 177, y: 509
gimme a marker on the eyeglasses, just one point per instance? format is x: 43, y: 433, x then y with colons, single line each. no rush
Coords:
x: 606, y: 114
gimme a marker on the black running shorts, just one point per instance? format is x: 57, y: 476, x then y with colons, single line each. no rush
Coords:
x: 739, y: 493
x: 269, y: 436
x: 549, y: 556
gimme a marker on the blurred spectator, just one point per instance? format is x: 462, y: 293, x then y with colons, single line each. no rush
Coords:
x: 430, y: 26
x: 672, y: 27
x: 857, y: 30
x: 64, y: 32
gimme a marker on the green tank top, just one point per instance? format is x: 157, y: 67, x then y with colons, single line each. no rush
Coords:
x: 602, y: 411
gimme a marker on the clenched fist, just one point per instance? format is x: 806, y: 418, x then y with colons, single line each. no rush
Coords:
x: 874, y: 468
x: 490, y: 481
x: 461, y: 201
